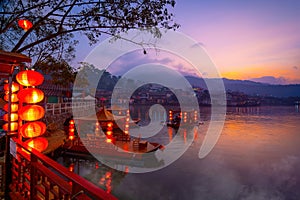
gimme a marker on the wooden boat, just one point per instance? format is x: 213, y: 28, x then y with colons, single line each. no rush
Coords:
x: 131, y: 152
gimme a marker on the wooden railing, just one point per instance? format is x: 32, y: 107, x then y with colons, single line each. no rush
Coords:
x: 62, y: 108
x: 36, y: 176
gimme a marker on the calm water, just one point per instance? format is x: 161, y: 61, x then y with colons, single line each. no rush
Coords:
x: 257, y: 157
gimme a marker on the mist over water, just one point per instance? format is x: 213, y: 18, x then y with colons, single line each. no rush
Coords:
x: 257, y: 157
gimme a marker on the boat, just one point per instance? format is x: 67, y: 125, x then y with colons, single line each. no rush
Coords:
x: 131, y: 152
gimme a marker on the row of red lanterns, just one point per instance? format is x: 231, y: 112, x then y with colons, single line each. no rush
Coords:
x: 30, y: 112
x: 11, y: 118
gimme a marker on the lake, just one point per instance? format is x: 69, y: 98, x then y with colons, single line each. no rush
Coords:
x: 256, y: 157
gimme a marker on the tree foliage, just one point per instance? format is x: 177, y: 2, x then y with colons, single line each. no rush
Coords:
x: 55, y: 23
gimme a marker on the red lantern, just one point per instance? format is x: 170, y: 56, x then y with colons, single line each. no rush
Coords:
x: 30, y: 78
x: 14, y: 98
x: 13, y: 117
x: 71, y: 129
x: 14, y: 87
x: 31, y: 95
x: 33, y: 129
x: 25, y: 24
x: 13, y: 126
x: 40, y: 143
x: 13, y: 107
x: 31, y: 112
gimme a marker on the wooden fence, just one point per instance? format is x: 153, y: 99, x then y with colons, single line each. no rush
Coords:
x: 36, y: 176
x: 69, y: 107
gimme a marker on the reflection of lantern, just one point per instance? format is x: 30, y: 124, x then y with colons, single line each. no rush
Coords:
x: 25, y: 24
x: 40, y: 143
x: 31, y: 112
x: 31, y: 95
x: 13, y: 107
x: 30, y: 78
x: 14, y: 98
x: 71, y: 167
x: 33, y: 129
x: 108, y: 140
x: 13, y: 117
x: 13, y: 126
x: 14, y: 87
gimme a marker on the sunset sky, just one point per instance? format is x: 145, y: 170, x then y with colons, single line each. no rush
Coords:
x: 245, y: 39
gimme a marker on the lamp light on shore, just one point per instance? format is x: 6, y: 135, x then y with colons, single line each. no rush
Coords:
x: 71, y: 129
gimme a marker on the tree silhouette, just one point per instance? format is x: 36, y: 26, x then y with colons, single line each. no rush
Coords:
x: 55, y: 23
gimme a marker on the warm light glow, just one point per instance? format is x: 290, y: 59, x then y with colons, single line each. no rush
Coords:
x: 14, y: 98
x: 24, y: 24
x: 30, y: 78
x: 31, y: 95
x: 110, y: 124
x: 14, y: 87
x: 108, y: 140
x: 40, y: 143
x: 71, y: 121
x: 31, y: 112
x: 13, y: 117
x: 109, y: 132
x: 71, y: 137
x: 71, y: 167
x: 13, y: 107
x: 33, y: 129
x: 13, y: 126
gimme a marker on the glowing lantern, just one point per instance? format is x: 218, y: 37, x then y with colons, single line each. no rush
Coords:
x: 71, y: 129
x: 40, y: 143
x: 108, y: 132
x: 108, y: 140
x: 31, y: 112
x: 31, y: 95
x: 33, y: 129
x: 14, y: 98
x: 13, y: 126
x: 25, y: 24
x: 30, y: 78
x: 13, y: 117
x: 14, y: 87
x: 71, y: 167
x: 170, y: 115
x: 13, y: 107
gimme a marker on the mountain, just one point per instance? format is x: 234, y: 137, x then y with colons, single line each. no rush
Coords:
x: 251, y: 87
x: 271, y: 80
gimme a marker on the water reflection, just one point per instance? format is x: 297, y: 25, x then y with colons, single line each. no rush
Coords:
x: 256, y: 157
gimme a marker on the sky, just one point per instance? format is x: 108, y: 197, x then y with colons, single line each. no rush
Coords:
x: 246, y: 39
x: 258, y: 39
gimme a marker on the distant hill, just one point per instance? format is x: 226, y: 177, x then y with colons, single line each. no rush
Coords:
x: 252, y: 88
